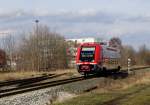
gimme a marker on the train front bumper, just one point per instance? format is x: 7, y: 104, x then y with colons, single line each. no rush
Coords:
x: 92, y: 68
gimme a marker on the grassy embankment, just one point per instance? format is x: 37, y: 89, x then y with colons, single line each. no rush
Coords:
x: 134, y: 90
x: 113, y: 98
x: 27, y: 74
x: 4, y: 76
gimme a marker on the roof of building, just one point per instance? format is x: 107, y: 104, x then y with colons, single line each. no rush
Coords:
x: 84, y: 40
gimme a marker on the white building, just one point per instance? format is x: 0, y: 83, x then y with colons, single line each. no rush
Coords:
x: 85, y: 40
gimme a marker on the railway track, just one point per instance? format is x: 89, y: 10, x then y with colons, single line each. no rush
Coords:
x: 31, y: 87
x: 137, y: 68
x: 29, y: 80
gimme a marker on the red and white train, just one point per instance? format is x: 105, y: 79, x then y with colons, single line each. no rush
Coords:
x: 96, y: 57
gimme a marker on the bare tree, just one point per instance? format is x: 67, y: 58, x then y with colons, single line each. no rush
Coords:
x: 44, y: 51
x: 115, y: 42
x: 128, y: 52
x: 143, y: 55
x: 8, y: 44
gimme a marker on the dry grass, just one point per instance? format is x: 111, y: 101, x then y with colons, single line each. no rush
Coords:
x: 122, y: 84
x: 139, y: 78
x: 107, y: 86
x: 19, y: 75
x: 27, y: 74
x: 74, y: 71
x: 70, y: 72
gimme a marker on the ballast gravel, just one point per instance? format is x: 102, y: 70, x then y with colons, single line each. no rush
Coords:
x: 51, y: 95
x: 38, y: 97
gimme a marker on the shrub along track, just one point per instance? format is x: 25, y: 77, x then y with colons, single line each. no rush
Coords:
x: 31, y: 87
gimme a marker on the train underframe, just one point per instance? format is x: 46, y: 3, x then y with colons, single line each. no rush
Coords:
x: 96, y: 69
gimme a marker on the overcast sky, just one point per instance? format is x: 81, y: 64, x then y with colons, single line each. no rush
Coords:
x: 127, y: 19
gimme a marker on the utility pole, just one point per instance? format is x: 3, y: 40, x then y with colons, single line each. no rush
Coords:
x: 37, y: 43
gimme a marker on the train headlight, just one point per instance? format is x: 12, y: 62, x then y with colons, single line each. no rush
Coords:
x: 92, y: 61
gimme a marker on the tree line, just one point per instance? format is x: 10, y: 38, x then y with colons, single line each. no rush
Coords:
x: 38, y: 50
x: 138, y: 57
x: 43, y: 50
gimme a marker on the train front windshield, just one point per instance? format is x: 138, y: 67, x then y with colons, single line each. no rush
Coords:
x: 87, y: 54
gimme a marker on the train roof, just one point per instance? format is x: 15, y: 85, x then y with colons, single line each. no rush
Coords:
x: 105, y: 46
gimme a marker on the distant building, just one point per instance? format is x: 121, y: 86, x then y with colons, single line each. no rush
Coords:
x: 85, y: 40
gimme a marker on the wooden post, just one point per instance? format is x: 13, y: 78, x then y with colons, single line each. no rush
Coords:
x: 129, y: 65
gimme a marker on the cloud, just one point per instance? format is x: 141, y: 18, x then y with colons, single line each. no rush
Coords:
x: 12, y: 14
x: 87, y: 22
x: 4, y: 33
x: 89, y: 15
x: 136, y: 40
x: 85, y: 16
